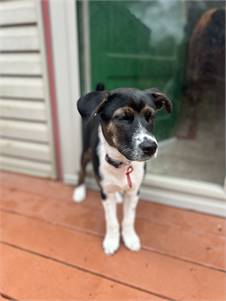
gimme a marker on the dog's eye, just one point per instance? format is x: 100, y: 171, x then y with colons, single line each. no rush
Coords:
x: 148, y: 115
x: 125, y: 117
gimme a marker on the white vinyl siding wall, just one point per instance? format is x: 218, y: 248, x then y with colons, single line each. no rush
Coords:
x: 26, y: 143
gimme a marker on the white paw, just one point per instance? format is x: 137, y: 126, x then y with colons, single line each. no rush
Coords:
x: 110, y: 244
x: 131, y: 240
x: 79, y: 193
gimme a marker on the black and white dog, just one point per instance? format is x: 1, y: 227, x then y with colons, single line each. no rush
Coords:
x: 118, y: 139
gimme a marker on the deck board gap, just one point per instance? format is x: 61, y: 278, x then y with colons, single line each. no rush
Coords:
x: 73, y: 266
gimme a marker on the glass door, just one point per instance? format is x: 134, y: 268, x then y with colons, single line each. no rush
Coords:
x: 178, y: 47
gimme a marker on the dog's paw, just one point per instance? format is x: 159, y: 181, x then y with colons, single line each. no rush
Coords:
x: 111, y: 244
x: 79, y: 193
x: 131, y: 240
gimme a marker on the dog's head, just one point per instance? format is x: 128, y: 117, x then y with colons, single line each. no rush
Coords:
x: 126, y: 117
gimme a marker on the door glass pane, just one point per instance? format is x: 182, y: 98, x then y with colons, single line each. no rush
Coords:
x: 178, y: 47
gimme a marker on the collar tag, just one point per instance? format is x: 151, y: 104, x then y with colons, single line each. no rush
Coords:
x: 129, y: 170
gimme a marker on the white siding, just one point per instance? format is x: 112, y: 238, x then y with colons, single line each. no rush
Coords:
x: 24, y: 130
x: 20, y: 87
x: 27, y: 150
x: 25, y: 134
x: 20, y: 64
x: 17, y: 12
x: 25, y: 166
x: 23, y: 109
x: 23, y: 38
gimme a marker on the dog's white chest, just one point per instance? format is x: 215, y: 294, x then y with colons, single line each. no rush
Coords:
x: 115, y: 179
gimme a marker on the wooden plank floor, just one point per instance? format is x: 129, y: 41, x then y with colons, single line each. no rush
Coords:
x: 51, y: 249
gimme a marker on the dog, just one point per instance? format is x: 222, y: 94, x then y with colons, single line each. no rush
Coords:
x: 118, y: 138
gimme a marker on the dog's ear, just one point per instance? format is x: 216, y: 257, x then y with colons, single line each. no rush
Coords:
x: 91, y: 103
x: 160, y: 99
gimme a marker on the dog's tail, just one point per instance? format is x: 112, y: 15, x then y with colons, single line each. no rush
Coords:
x: 100, y: 87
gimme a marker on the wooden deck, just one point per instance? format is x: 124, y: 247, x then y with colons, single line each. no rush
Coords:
x: 51, y: 249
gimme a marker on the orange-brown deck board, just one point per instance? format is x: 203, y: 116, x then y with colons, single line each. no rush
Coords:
x: 156, y: 212
x: 174, y: 240
x: 30, y: 277
x: 46, y: 236
x: 146, y: 270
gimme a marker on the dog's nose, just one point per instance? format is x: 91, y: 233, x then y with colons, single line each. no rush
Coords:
x: 148, y: 147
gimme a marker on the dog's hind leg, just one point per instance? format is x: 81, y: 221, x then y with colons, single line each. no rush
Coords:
x: 79, y: 193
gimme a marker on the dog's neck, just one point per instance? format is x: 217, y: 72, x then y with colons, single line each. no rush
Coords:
x: 112, y: 153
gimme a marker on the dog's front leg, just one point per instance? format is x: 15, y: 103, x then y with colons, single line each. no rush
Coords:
x: 129, y: 235
x: 112, y: 236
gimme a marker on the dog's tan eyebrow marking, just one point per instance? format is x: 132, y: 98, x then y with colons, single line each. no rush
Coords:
x: 123, y: 111
x: 148, y: 109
